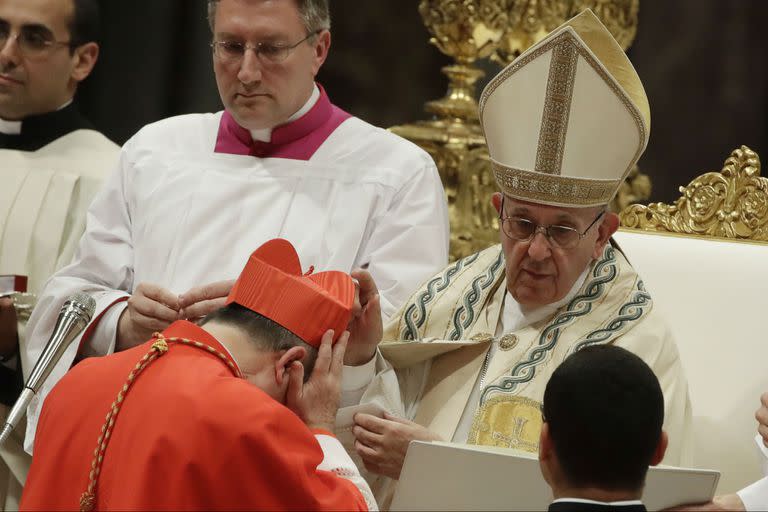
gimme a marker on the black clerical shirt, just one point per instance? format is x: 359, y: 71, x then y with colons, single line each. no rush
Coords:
x: 41, y: 130
x: 567, y: 505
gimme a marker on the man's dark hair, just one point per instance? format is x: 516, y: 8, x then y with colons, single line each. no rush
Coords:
x: 85, y: 25
x: 265, y: 333
x: 605, y: 410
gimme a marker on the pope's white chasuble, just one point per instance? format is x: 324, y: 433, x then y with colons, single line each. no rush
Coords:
x: 437, y: 351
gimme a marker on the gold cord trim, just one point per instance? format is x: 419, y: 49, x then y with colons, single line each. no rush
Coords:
x: 158, y: 348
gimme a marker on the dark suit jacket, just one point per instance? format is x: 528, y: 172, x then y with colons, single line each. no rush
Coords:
x: 576, y: 506
x: 11, y: 383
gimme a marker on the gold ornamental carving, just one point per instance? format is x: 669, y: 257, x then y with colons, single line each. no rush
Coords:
x: 470, y: 30
x: 466, y: 30
x: 635, y: 189
x: 732, y: 203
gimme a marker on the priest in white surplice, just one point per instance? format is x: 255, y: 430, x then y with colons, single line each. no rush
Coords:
x: 193, y: 195
x: 52, y: 162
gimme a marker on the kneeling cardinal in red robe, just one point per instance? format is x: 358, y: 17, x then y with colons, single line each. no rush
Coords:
x: 211, y: 416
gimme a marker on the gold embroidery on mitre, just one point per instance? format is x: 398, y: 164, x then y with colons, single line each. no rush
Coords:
x: 508, y: 422
x: 531, y: 185
x: 557, y: 108
x: 595, y: 64
x: 551, y: 189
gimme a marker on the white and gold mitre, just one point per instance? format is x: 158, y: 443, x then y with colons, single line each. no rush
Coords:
x: 568, y: 119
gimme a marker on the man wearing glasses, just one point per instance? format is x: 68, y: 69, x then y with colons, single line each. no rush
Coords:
x: 51, y: 164
x: 468, y: 357
x: 193, y: 194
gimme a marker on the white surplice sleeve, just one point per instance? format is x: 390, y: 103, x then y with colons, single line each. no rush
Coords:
x: 337, y: 461
x: 103, y: 268
x: 755, y: 496
x: 409, y: 241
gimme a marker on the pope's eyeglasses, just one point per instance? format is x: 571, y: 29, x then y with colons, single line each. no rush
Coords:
x: 523, y: 230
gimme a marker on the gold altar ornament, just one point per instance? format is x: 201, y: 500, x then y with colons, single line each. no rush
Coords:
x: 732, y: 203
x: 470, y: 30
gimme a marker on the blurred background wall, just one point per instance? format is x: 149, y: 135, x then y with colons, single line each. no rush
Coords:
x: 704, y: 64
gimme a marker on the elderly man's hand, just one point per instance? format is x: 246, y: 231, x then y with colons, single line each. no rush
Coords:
x: 366, y: 327
x: 198, y: 302
x: 383, y: 442
x: 725, y: 502
x: 9, y: 338
x: 150, y: 309
x: 317, y: 400
x: 762, y: 418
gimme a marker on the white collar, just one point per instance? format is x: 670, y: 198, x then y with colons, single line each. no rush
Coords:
x: 593, y: 502
x: 10, y: 127
x: 14, y: 127
x: 265, y: 134
x: 514, y: 317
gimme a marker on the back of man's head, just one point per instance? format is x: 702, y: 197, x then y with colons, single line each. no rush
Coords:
x: 265, y: 334
x: 604, y: 410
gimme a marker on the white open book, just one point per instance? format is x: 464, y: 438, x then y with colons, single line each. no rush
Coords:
x: 448, y: 476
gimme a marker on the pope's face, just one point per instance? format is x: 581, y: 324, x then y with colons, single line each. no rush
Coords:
x: 257, y: 92
x: 538, y: 272
x: 36, y: 82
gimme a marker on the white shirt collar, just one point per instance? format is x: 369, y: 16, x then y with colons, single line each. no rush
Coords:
x: 593, y: 502
x: 265, y: 134
x: 10, y: 127
x: 14, y: 127
x: 514, y: 317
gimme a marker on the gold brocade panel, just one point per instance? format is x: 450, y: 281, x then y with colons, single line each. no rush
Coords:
x: 508, y: 422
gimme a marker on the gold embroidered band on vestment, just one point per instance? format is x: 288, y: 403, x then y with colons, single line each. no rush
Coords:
x: 557, y: 107
x: 552, y: 189
x: 158, y: 348
x: 508, y: 422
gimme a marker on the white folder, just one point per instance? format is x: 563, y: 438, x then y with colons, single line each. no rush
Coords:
x: 448, y: 476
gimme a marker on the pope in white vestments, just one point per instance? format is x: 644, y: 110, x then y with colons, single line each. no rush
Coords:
x: 468, y: 357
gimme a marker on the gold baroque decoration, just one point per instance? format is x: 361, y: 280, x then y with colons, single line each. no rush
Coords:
x: 465, y: 29
x: 531, y: 20
x: 732, y: 203
x: 635, y: 188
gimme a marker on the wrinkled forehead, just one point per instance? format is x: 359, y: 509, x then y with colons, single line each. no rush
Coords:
x: 263, y: 18
x: 53, y: 15
x: 547, y: 214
